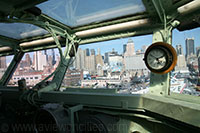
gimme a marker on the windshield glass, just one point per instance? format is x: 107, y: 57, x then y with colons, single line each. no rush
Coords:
x: 185, y: 77
x: 4, y: 63
x: 79, y: 12
x: 20, y: 30
x: 36, y: 66
x: 111, y: 66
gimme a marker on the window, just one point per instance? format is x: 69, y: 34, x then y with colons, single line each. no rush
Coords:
x: 36, y: 66
x: 20, y: 30
x: 79, y: 12
x: 116, y: 64
x: 4, y: 63
x: 185, y: 79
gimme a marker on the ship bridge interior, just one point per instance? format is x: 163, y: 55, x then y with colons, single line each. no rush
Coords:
x: 33, y: 25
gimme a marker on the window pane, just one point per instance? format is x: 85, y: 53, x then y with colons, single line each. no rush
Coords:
x: 80, y: 12
x: 4, y: 63
x: 20, y: 30
x: 185, y: 77
x: 111, y: 65
x: 36, y: 66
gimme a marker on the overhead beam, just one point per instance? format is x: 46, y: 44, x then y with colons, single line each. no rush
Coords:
x: 113, y: 28
x: 9, y: 42
x: 159, y: 9
x: 190, y: 7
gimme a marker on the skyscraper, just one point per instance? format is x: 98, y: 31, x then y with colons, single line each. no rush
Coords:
x: 124, y: 48
x: 197, y: 51
x: 189, y: 46
x: 90, y: 63
x: 39, y: 61
x: 92, y: 52
x: 53, y: 57
x: 3, y: 62
x: 130, y: 48
x: 106, y: 57
x: 99, y: 59
x: 28, y: 60
x: 87, y: 52
x: 45, y: 53
x: 179, y: 49
x: 144, y: 48
x: 80, y: 59
x: 98, y: 51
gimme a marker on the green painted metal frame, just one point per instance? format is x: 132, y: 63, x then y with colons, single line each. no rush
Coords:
x: 65, y: 58
x: 165, y: 106
x: 11, y: 68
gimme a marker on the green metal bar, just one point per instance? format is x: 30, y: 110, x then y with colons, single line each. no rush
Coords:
x: 6, y: 41
x: 159, y: 84
x: 159, y: 9
x: 138, y: 16
x: 117, y: 35
x: 52, y: 21
x: 71, y: 111
x: 182, y: 97
x: 65, y: 58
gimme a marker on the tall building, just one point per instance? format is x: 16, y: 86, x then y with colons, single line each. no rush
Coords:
x: 130, y: 48
x: 124, y: 48
x: 80, y: 59
x: 181, y: 63
x: 98, y: 51
x: 116, y: 63
x: 135, y: 64
x: 199, y: 64
x: 53, y: 57
x: 39, y: 60
x: 3, y: 62
x: 45, y: 53
x: 87, y: 52
x: 50, y: 60
x: 198, y: 56
x: 99, y: 63
x: 106, y: 57
x: 144, y: 48
x: 179, y: 49
x: 90, y: 64
x: 28, y: 60
x: 197, y: 51
x: 99, y: 58
x: 189, y: 45
x: 92, y: 52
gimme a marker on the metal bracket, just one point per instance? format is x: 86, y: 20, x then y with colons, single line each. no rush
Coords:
x: 65, y: 58
x: 71, y: 112
x: 160, y: 84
